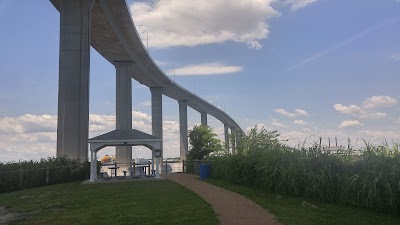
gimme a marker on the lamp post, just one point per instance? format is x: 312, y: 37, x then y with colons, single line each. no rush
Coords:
x: 147, y: 34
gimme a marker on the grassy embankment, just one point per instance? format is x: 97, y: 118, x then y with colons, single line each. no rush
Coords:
x: 370, y: 180
x: 137, y: 202
x: 299, y: 211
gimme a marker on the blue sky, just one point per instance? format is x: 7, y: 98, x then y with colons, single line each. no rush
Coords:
x: 304, y: 67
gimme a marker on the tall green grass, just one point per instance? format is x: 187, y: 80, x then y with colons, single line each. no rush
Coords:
x: 371, y: 180
x: 28, y: 174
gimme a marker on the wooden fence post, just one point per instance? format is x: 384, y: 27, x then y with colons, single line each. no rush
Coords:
x: 21, y: 177
x: 183, y: 166
x: 47, y: 174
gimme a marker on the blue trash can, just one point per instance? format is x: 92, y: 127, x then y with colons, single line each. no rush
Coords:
x: 205, y: 171
x: 202, y: 172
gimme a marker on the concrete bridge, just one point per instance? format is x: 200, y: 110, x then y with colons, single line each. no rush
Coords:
x: 107, y: 26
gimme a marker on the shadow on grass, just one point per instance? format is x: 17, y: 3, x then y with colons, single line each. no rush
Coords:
x: 147, y: 202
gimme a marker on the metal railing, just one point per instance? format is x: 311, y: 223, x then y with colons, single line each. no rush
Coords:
x: 142, y: 168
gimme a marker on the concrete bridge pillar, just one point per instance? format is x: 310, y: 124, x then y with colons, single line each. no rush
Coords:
x: 124, y: 109
x: 156, y: 116
x: 226, y: 132
x: 204, y: 119
x: 73, y: 89
x: 183, y: 128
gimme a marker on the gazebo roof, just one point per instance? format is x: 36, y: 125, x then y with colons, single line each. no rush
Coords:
x: 124, y: 138
x: 123, y: 135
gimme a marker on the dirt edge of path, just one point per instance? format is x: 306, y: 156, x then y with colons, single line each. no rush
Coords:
x: 230, y: 207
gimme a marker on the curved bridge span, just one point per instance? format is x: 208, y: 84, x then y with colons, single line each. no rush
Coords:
x: 107, y: 26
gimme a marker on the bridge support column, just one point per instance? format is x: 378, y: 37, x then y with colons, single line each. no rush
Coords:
x: 156, y: 116
x: 183, y: 128
x: 204, y: 119
x: 73, y: 89
x: 226, y: 131
x: 124, y: 110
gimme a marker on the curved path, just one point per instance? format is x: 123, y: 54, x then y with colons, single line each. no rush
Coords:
x: 230, y: 207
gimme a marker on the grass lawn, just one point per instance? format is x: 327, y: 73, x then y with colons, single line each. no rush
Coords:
x: 137, y: 202
x: 294, y: 211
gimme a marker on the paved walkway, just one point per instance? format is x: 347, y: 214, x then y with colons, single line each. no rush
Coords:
x: 230, y: 207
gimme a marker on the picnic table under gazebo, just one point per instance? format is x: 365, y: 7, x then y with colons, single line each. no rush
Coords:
x: 131, y: 137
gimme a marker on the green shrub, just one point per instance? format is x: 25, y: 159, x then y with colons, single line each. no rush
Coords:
x: 371, y: 180
x: 33, y: 173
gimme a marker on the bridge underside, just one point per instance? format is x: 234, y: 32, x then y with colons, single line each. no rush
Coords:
x: 107, y: 26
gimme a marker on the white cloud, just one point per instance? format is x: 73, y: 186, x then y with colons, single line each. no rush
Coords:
x: 163, y: 63
x: 254, y: 45
x: 197, y: 22
x: 357, y: 112
x: 297, y: 112
x: 28, y: 124
x: 350, y: 123
x: 379, y: 102
x: 100, y: 123
x: 146, y: 103
x: 349, y: 110
x: 374, y: 115
x: 396, y: 56
x: 34, y: 136
x: 298, y: 4
x: 310, y: 135
x: 205, y: 69
x: 284, y: 112
x: 141, y: 116
x: 378, y: 136
x: 301, y: 112
x: 300, y: 122
x: 366, y: 112
x: 278, y: 125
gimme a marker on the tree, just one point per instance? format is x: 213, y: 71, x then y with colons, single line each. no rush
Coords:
x: 258, y: 139
x: 203, y: 141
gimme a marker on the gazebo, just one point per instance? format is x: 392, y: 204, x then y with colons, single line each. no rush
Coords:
x: 122, y: 138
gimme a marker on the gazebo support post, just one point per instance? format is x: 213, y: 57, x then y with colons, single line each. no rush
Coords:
x: 152, y: 162
x: 157, y: 176
x: 93, y: 161
x: 157, y: 154
x: 93, y: 166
